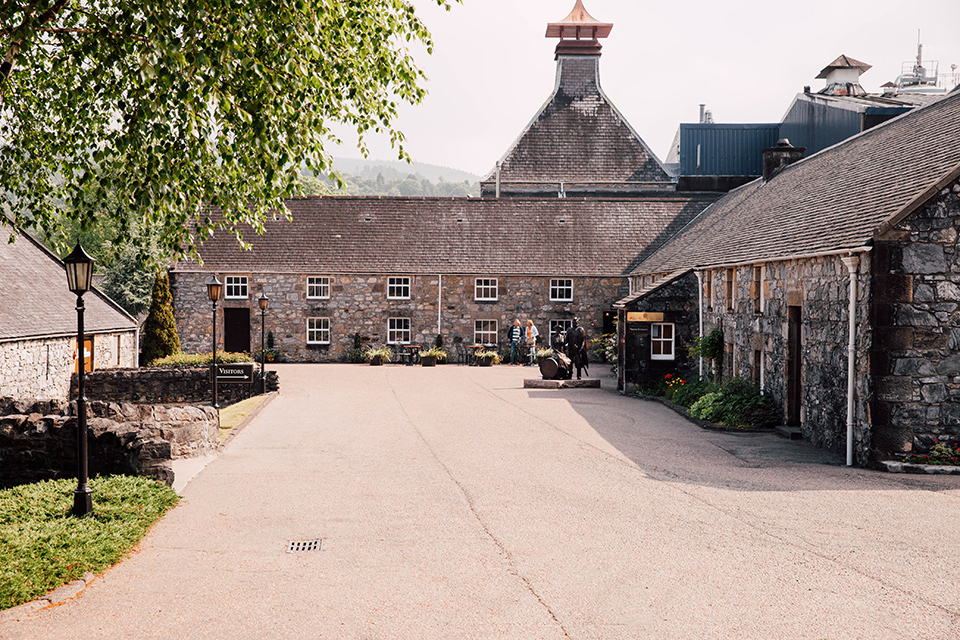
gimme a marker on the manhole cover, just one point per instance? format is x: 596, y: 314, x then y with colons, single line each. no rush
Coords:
x: 303, y: 545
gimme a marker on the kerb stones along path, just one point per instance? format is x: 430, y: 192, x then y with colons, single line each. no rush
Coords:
x: 452, y: 503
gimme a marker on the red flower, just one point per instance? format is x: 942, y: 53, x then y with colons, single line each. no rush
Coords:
x: 667, y: 377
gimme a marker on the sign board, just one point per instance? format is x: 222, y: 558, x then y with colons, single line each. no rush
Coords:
x: 234, y: 373
x: 644, y: 316
x: 87, y: 355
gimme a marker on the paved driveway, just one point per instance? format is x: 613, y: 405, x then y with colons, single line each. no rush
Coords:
x: 453, y: 503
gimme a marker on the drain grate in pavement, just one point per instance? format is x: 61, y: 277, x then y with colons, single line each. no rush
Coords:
x: 303, y: 545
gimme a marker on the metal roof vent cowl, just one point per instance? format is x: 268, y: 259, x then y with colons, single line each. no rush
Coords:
x: 782, y: 155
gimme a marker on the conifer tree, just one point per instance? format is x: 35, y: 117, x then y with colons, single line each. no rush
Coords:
x: 160, y: 337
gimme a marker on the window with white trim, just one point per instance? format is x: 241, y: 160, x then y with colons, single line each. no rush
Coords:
x: 485, y: 290
x: 561, y: 290
x: 661, y: 341
x: 398, y: 288
x: 485, y: 332
x: 398, y: 330
x: 318, y: 330
x: 235, y: 287
x: 318, y: 287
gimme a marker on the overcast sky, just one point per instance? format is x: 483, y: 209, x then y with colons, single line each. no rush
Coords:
x: 493, y: 69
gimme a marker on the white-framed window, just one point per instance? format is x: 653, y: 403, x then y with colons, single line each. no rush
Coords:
x: 561, y: 290
x: 318, y: 330
x: 559, y: 325
x: 235, y: 287
x: 398, y: 288
x: 398, y: 330
x: 661, y: 341
x: 485, y: 332
x: 318, y: 287
x: 485, y: 290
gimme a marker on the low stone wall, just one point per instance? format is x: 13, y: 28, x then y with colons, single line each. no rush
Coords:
x: 164, y: 385
x: 38, y: 440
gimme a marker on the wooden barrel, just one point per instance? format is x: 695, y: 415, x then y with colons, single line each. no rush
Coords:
x: 556, y: 367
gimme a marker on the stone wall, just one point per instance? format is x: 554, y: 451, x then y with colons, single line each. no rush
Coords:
x: 38, y: 440
x: 164, y: 385
x: 41, y: 368
x: 916, y: 360
x: 819, y: 287
x: 678, y: 302
x: 359, y: 304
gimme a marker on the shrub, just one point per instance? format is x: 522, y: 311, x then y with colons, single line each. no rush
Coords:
x: 160, y: 337
x: 692, y: 391
x: 200, y: 359
x: 738, y: 403
x: 605, y: 348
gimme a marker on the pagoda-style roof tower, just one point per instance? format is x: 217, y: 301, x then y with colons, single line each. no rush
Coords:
x: 578, y: 144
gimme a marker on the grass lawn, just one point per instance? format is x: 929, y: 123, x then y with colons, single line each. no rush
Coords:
x: 43, y: 546
x: 232, y: 416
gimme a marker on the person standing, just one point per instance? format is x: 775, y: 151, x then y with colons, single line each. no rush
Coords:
x: 516, y: 332
x: 531, y: 334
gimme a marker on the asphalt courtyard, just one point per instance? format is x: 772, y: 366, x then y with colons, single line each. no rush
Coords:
x: 452, y: 503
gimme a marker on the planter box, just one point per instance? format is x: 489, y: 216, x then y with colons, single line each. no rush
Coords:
x: 428, y: 361
x: 376, y: 361
x: 485, y: 362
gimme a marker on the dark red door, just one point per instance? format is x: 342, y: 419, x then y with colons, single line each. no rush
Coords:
x: 236, y: 330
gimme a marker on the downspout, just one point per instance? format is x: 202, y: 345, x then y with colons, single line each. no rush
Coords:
x: 439, y: 300
x: 851, y: 263
x: 700, y: 307
x: 136, y: 348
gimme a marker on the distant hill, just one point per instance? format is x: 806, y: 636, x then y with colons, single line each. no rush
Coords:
x: 388, y: 178
x: 391, y: 169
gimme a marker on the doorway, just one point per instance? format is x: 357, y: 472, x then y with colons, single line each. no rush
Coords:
x: 794, y: 366
x: 236, y: 330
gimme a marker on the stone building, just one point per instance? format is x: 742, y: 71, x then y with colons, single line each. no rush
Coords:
x: 574, y: 205
x: 38, y: 324
x: 836, y: 282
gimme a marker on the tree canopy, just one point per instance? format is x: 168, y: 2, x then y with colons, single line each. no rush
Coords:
x: 161, y: 108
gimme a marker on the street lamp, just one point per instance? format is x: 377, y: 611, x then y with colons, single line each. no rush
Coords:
x: 214, y: 289
x: 79, y: 267
x: 264, y: 302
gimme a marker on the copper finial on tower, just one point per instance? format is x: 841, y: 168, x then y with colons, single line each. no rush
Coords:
x: 579, y: 25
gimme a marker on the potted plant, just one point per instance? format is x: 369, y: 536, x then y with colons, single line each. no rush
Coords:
x: 487, y: 357
x: 431, y: 356
x: 543, y: 354
x: 377, y: 356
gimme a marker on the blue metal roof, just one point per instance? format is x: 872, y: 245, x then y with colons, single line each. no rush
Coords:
x: 710, y: 149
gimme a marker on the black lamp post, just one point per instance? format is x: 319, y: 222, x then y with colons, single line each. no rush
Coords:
x: 79, y: 267
x: 264, y: 302
x: 214, y: 289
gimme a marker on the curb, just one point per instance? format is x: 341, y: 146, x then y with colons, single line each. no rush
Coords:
x: 892, y: 466
x: 51, y: 599
x: 703, y: 424
x: 250, y: 416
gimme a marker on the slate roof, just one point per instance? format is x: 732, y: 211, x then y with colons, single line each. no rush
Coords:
x: 835, y: 199
x: 506, y: 236
x: 579, y: 136
x: 36, y: 301
x: 844, y: 62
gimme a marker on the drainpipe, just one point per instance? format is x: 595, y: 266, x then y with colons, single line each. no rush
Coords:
x: 851, y: 263
x: 439, y: 300
x: 700, y: 307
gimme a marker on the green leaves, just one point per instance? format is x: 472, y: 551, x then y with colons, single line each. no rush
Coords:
x: 178, y: 106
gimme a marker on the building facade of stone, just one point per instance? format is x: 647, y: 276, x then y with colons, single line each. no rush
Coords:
x: 836, y: 283
x: 314, y: 318
x: 38, y: 323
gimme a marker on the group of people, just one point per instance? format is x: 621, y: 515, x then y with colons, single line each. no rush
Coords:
x: 523, y: 337
x: 573, y: 344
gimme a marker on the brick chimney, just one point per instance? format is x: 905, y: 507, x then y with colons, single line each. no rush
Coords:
x: 775, y: 158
